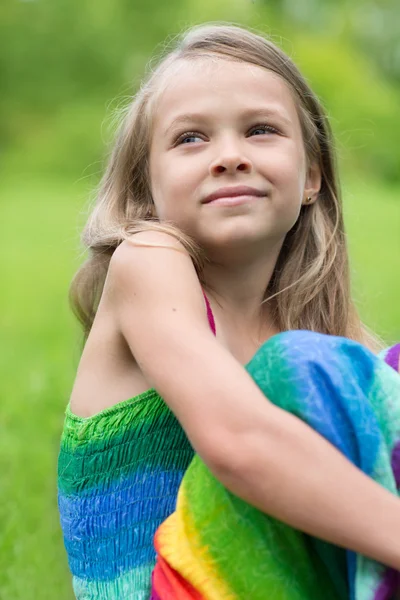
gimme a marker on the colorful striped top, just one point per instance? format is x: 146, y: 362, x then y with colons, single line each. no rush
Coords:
x: 118, y: 477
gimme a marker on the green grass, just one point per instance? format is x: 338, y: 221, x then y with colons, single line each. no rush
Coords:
x: 40, y: 221
x: 39, y: 353
x: 372, y: 217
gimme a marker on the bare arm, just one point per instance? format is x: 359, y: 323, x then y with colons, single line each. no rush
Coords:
x: 261, y: 453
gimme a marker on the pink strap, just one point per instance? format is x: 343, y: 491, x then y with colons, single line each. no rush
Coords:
x: 210, y: 315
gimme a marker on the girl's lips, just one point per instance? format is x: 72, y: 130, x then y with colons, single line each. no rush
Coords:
x: 233, y: 200
x: 233, y: 191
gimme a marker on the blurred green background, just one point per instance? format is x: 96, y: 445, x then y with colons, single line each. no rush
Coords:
x: 65, y: 65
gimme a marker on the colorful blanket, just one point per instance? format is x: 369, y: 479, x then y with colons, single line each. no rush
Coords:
x: 217, y: 547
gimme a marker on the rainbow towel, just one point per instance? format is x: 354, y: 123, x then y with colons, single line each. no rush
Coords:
x: 217, y: 547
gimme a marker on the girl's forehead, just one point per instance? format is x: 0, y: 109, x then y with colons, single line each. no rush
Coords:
x: 211, y: 83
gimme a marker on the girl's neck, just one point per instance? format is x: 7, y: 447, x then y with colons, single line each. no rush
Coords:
x: 236, y: 295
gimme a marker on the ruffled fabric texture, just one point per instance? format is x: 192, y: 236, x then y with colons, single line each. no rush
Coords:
x: 217, y: 547
x: 118, y: 478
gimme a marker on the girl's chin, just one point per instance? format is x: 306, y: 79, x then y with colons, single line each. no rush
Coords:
x: 239, y: 233
x: 237, y: 241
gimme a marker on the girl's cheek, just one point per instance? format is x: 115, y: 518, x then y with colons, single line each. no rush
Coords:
x: 287, y: 170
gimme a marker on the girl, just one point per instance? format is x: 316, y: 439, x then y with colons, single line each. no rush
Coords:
x: 218, y: 227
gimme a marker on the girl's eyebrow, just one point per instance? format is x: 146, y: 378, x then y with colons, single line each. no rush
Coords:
x: 262, y: 112
x: 183, y: 120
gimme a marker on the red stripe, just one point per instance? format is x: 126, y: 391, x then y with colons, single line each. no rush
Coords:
x: 168, y: 584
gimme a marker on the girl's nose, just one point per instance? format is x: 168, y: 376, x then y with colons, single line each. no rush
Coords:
x: 230, y: 163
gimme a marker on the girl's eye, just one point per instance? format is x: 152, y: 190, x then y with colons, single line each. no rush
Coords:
x: 263, y: 129
x: 188, y: 137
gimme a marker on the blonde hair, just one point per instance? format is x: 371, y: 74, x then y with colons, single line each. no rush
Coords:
x: 310, y: 286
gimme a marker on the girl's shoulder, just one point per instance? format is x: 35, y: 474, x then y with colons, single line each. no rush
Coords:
x: 149, y: 288
x: 147, y: 247
x: 153, y: 272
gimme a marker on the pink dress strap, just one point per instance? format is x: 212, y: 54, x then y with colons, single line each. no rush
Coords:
x: 210, y: 315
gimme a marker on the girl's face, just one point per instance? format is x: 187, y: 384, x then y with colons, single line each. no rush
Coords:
x: 222, y: 124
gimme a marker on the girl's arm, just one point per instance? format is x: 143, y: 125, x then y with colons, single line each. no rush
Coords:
x: 261, y: 453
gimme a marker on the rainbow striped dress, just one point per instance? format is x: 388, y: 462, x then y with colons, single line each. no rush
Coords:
x: 118, y: 478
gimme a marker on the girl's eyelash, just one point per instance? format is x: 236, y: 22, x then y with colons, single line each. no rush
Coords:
x: 265, y: 127
x: 185, y: 135
x: 196, y: 134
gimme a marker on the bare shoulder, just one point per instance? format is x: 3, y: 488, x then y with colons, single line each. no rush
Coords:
x: 149, y: 239
x: 150, y: 255
x: 153, y: 270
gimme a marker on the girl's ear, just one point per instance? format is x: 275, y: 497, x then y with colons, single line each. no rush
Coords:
x: 312, y: 184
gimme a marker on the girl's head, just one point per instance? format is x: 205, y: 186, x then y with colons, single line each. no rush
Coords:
x: 223, y: 123
x: 227, y: 107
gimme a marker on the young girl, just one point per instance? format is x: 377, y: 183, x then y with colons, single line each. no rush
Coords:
x: 218, y: 227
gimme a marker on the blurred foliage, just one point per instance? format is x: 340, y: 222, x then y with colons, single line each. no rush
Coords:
x: 373, y: 25
x: 351, y: 52
x: 65, y: 64
x: 60, y: 62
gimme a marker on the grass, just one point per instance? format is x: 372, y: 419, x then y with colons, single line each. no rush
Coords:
x: 372, y: 217
x: 40, y: 349
x: 39, y: 340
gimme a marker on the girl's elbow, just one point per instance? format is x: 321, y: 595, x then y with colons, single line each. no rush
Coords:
x: 227, y: 456
x: 221, y: 453
x: 233, y: 452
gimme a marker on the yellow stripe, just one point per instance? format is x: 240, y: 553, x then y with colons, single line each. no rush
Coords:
x: 182, y: 548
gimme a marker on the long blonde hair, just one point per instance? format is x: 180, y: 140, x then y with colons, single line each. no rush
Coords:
x: 310, y: 286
